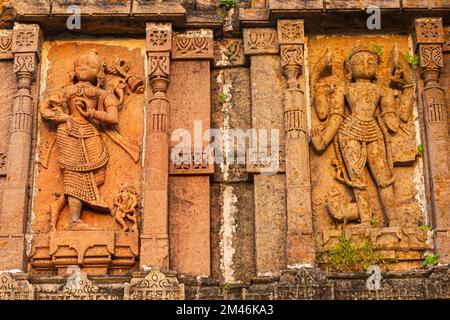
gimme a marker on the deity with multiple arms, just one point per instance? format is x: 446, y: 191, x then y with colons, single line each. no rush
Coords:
x: 82, y: 110
x: 362, y: 135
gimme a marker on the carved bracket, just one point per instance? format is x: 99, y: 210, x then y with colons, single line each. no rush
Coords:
x: 260, y: 41
x: 193, y: 45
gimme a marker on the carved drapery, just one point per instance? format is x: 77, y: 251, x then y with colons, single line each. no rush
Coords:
x: 429, y: 34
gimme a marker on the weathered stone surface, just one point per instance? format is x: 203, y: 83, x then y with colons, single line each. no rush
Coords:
x: 229, y: 53
x: 361, y: 4
x: 270, y: 222
x: 169, y: 8
x: 90, y: 7
x: 231, y: 114
x: 267, y: 87
x: 295, y: 4
x: 32, y: 7
x: 189, y: 193
x: 232, y: 229
x: 189, y: 225
x: 425, y: 4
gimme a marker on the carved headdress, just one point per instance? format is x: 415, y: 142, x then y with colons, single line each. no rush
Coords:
x: 361, y: 47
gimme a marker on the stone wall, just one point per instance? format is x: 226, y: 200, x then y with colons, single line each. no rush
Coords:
x: 109, y: 133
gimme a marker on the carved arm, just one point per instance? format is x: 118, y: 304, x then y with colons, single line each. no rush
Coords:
x: 322, y: 135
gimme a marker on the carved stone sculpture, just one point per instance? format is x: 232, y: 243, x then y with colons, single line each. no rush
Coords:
x: 126, y: 207
x: 362, y: 135
x: 82, y: 110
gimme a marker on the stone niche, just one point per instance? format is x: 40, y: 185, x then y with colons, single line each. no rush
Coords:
x: 106, y: 239
x: 397, y: 161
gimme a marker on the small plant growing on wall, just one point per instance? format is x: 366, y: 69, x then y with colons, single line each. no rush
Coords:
x: 227, y: 4
x: 223, y: 97
x: 431, y: 260
x: 378, y: 49
x: 412, y: 60
x: 424, y: 227
x: 420, y: 149
x: 226, y: 288
x: 349, y: 255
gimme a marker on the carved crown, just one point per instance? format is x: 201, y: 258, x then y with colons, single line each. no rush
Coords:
x: 361, y: 47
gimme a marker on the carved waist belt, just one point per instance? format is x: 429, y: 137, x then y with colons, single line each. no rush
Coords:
x: 85, y: 130
x: 361, y: 130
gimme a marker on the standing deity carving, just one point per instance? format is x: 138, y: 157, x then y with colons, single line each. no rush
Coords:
x: 369, y: 125
x: 83, y: 110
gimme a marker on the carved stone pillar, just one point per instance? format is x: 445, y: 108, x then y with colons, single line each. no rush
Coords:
x: 26, y: 42
x: 299, y: 246
x: 269, y: 180
x: 430, y: 38
x: 154, y: 238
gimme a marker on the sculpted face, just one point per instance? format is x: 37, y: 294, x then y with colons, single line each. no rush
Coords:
x: 363, y: 65
x: 87, y: 68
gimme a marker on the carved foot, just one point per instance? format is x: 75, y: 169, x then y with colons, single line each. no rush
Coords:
x: 340, y: 210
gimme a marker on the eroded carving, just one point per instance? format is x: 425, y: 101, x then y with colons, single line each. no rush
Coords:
x: 290, y: 31
x: 155, y: 286
x: 126, y: 207
x: 82, y: 110
x: 12, y: 289
x: 260, y: 41
x: 6, y: 44
x: 363, y: 135
x: 429, y: 30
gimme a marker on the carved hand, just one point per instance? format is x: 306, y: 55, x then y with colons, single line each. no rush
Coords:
x: 391, y: 121
x: 317, y: 139
x: 85, y: 112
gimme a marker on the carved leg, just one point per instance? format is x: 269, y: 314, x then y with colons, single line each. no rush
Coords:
x: 75, y: 206
x: 353, y: 154
x: 382, y: 173
x: 55, y: 209
x: 120, y: 220
x: 364, y: 209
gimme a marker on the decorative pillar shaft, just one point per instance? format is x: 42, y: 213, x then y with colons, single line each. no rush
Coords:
x: 299, y: 246
x: 430, y: 37
x: 154, y: 238
x: 25, y: 47
x: 261, y: 44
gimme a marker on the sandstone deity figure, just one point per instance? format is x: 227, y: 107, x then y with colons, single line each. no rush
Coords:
x: 82, y: 110
x: 360, y: 135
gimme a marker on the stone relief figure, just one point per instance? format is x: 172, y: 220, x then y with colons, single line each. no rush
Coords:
x: 82, y: 110
x: 362, y: 132
x: 126, y: 207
